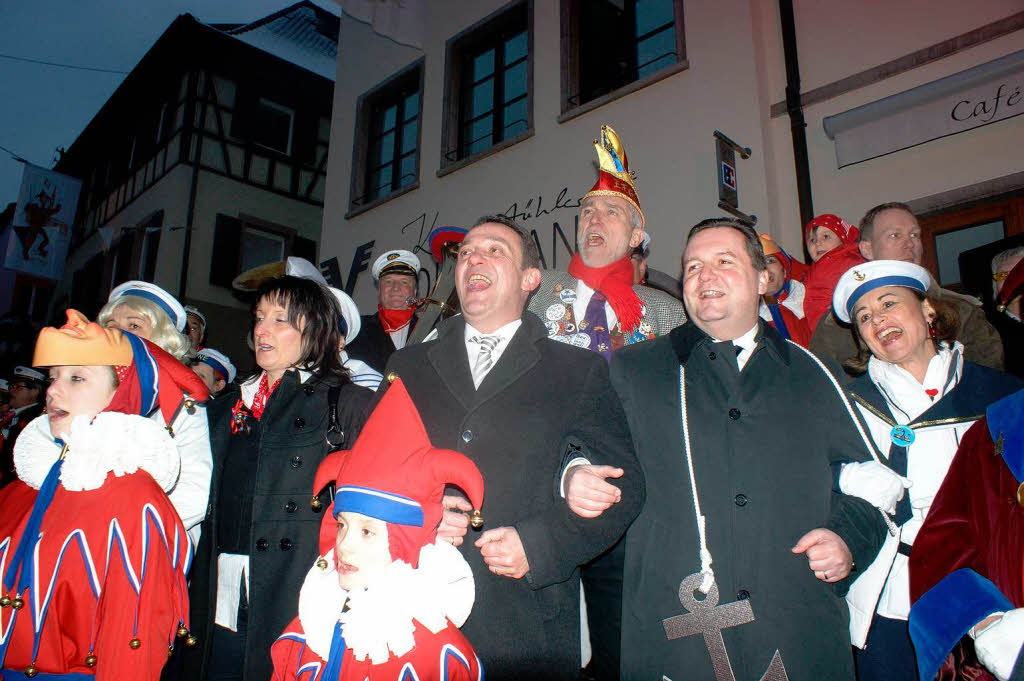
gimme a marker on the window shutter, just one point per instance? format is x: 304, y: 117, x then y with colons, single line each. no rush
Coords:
x: 305, y: 248
x: 227, y: 244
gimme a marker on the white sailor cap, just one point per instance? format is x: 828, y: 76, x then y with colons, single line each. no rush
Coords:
x: 350, y: 319
x: 396, y: 262
x: 29, y: 374
x: 866, y: 277
x: 219, y: 362
x: 154, y: 294
x: 4, y: 386
x: 192, y: 309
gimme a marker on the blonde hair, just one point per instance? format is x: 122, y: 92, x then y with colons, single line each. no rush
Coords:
x: 164, y: 334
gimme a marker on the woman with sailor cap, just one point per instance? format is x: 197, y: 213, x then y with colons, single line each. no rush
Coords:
x: 917, y: 398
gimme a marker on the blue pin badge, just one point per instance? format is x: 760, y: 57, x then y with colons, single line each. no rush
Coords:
x: 902, y: 436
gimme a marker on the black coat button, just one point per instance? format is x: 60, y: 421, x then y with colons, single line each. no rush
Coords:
x: 712, y: 356
x: 467, y: 435
x: 286, y: 544
x: 308, y: 389
x: 740, y: 499
x: 262, y: 544
x: 291, y: 506
x: 742, y: 595
x: 296, y: 462
x: 300, y: 422
x: 734, y: 414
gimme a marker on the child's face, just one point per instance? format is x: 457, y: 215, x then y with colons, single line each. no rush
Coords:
x: 820, y: 241
x: 210, y: 377
x: 77, y: 391
x: 360, y: 549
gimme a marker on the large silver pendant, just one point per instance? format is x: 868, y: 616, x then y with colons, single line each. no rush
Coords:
x: 708, y: 618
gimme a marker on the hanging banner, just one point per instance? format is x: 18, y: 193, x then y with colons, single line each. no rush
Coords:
x: 41, y: 228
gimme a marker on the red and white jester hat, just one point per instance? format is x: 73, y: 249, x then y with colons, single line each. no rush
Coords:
x: 394, y: 474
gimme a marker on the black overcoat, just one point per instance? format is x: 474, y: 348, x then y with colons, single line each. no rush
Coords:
x: 763, y: 444
x: 373, y: 345
x: 285, y: 527
x: 542, y: 404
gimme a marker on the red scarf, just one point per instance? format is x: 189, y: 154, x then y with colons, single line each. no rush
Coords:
x: 615, y: 281
x: 393, y: 320
x: 263, y: 393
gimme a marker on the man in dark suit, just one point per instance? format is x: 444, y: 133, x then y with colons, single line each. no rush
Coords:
x: 495, y: 388
x: 386, y: 330
x: 27, y: 394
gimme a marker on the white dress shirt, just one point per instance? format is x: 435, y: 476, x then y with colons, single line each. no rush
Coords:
x: 747, y: 342
x: 504, y: 335
x: 400, y: 336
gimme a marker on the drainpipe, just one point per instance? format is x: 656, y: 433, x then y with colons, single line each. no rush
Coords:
x: 797, y: 124
x: 197, y: 127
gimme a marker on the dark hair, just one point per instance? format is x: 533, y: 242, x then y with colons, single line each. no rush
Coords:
x: 867, y: 223
x: 531, y: 255
x: 754, y: 248
x: 945, y: 325
x: 313, y: 305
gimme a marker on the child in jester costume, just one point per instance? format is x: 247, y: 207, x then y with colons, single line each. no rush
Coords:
x: 385, y: 597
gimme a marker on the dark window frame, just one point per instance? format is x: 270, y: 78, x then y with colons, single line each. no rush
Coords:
x: 493, y: 29
x: 571, y: 62
x: 267, y: 103
x: 395, y: 87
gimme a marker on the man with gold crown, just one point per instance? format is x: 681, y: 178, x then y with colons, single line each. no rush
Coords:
x: 596, y: 305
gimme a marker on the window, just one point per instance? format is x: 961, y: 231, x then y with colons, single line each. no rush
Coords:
x: 260, y: 247
x: 387, y: 157
x: 489, y: 82
x: 613, y: 43
x: 273, y: 126
x: 248, y: 242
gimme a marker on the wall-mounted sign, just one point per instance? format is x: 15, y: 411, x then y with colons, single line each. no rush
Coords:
x: 728, y: 192
x: 41, y: 227
x: 990, y: 92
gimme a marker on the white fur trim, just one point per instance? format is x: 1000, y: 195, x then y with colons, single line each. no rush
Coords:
x: 379, y: 621
x: 111, y: 443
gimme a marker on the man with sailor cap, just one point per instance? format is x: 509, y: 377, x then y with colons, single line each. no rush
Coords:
x: 395, y: 275
x: 27, y: 388
x: 216, y: 370
x: 195, y: 326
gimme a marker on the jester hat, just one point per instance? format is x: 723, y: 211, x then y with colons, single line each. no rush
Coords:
x: 614, y: 177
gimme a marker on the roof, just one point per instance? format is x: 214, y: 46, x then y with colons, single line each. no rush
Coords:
x: 303, y: 34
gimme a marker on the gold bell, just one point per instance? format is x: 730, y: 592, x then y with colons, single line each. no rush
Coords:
x: 321, y: 563
x: 135, y: 643
x: 31, y: 671
x: 476, y: 519
x: 5, y: 600
x: 170, y: 650
x: 191, y: 641
x: 90, y: 660
x: 316, y: 504
x: 1020, y: 495
x: 182, y: 631
x: 392, y: 375
x: 17, y: 603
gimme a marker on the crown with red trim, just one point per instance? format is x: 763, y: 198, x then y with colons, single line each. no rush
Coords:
x: 394, y: 474
x: 1013, y: 286
x: 846, y: 232
x: 444, y: 237
x: 149, y: 376
x: 614, y: 177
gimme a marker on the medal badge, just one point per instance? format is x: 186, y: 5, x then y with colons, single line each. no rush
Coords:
x: 902, y: 436
x: 555, y: 312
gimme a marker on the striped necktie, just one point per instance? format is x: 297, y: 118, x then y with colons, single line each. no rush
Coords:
x: 484, y: 360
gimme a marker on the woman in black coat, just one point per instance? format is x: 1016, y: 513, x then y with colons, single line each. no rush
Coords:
x: 268, y: 435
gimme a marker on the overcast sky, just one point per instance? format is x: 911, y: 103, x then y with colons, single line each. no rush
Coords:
x: 45, y: 107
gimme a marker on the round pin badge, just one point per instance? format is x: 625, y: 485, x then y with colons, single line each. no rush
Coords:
x: 580, y: 340
x: 552, y: 328
x: 570, y: 327
x: 555, y: 312
x: 567, y: 295
x: 902, y: 436
x: 562, y: 338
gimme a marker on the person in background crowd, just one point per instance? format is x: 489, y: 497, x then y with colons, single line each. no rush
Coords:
x: 782, y: 304
x: 495, y: 387
x: 150, y: 312
x: 396, y: 275
x: 718, y: 410
x: 25, y: 402
x: 385, y: 596
x: 917, y: 397
x: 215, y: 369
x: 638, y: 257
x: 195, y: 327
x: 1008, y: 287
x: 832, y: 245
x: 269, y: 433
x: 889, y: 231
x: 966, y: 587
x: 599, y: 305
x: 5, y: 393
x: 88, y: 520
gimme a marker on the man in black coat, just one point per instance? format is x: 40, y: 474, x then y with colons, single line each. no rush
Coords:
x: 495, y: 388
x: 743, y: 509
x: 395, y: 274
x: 27, y: 394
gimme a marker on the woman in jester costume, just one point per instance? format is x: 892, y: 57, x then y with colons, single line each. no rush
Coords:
x: 93, y: 556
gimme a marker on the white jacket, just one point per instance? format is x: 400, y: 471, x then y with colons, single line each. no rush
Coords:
x: 191, y: 494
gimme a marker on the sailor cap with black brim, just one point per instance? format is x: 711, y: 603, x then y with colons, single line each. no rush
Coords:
x: 398, y: 261
x: 866, y: 277
x: 192, y: 309
x: 154, y: 294
x: 29, y: 374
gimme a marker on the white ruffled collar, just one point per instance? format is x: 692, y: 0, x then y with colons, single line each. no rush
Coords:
x: 907, y: 398
x: 111, y: 443
x: 379, y: 621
